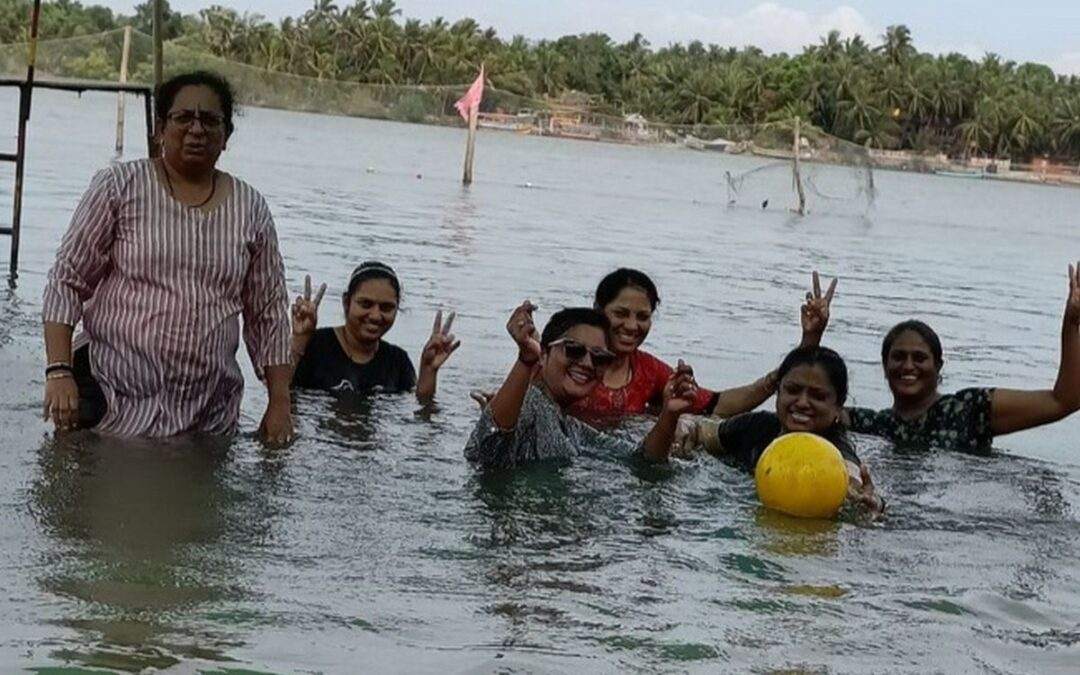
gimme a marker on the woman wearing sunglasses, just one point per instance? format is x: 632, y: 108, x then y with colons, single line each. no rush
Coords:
x: 527, y: 419
x: 161, y: 259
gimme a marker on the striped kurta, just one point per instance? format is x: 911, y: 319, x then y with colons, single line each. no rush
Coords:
x: 159, y: 287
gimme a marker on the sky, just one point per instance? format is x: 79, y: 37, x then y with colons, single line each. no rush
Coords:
x: 1043, y: 31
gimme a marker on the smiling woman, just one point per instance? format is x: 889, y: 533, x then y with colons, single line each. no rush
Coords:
x: 354, y: 357
x: 810, y: 398
x: 968, y: 420
x: 160, y: 260
x: 527, y: 419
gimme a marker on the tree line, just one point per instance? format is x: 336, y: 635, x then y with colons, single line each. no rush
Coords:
x: 884, y: 94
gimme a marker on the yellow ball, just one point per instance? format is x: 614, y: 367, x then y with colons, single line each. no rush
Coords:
x: 803, y: 475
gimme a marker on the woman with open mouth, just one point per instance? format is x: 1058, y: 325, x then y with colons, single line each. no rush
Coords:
x: 635, y: 382
x: 526, y: 420
x: 810, y: 398
x: 968, y: 420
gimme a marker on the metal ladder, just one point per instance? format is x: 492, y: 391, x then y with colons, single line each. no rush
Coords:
x: 26, y: 90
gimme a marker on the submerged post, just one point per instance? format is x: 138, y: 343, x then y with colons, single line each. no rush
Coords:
x: 470, y: 147
x: 795, y: 169
x: 159, y: 18
x: 469, y: 107
x: 124, y: 57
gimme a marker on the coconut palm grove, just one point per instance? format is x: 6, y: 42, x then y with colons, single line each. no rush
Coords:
x: 877, y: 91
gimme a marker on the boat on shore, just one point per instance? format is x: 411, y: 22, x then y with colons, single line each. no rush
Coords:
x: 952, y: 173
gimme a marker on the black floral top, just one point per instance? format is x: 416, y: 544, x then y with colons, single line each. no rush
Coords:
x: 959, y: 421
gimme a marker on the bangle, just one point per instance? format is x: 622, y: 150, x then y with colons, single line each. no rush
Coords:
x: 60, y: 375
x: 59, y: 366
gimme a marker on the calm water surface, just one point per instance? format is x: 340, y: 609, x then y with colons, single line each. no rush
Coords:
x: 371, y: 545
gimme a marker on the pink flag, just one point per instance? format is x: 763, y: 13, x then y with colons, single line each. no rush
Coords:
x: 471, y: 100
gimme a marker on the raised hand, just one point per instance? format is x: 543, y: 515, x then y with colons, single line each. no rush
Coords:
x: 441, y: 344
x: 815, y: 311
x: 305, y: 309
x: 1072, y: 306
x: 680, y: 392
x: 523, y: 330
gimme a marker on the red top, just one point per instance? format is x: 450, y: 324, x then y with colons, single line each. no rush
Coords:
x: 648, y: 377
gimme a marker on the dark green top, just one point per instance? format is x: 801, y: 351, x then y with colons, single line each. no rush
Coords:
x: 959, y: 421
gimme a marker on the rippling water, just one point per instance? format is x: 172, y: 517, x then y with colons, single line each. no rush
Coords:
x: 371, y: 545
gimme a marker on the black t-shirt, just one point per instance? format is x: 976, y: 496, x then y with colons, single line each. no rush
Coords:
x: 326, y: 366
x: 743, y: 439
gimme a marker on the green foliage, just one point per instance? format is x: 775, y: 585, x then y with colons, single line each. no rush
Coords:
x: 887, y: 95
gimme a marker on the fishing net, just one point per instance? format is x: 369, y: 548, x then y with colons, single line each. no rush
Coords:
x: 755, y: 163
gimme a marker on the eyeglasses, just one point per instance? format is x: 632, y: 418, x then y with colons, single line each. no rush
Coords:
x: 211, y: 121
x: 575, y: 351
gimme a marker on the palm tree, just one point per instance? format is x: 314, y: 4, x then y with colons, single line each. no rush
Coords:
x: 897, y: 45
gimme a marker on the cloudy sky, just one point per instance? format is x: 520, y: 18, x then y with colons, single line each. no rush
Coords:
x: 1045, y: 31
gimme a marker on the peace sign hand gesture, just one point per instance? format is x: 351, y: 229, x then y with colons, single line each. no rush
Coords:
x: 523, y: 330
x: 1072, y: 306
x: 305, y: 310
x: 815, y: 311
x: 441, y: 344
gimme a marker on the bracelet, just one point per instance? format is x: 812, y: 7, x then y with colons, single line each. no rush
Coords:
x: 65, y: 374
x: 58, y: 366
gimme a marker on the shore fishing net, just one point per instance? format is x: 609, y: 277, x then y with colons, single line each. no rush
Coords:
x: 755, y: 163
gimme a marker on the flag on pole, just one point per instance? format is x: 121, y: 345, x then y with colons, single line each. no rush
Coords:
x: 470, y: 102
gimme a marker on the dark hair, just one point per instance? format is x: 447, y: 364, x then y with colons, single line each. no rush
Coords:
x: 372, y: 269
x: 624, y: 277
x: 831, y: 362
x: 836, y: 370
x: 925, y: 332
x: 166, y: 93
x: 562, y: 321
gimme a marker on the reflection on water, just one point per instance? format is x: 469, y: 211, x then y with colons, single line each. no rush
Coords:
x: 370, y: 544
x: 139, y: 531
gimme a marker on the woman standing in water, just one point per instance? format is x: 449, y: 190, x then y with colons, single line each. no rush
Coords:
x: 161, y: 258
x: 968, y: 420
x: 636, y: 380
x: 810, y: 398
x: 354, y: 357
x: 527, y: 419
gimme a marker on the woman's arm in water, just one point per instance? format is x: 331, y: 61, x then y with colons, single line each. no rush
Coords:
x: 506, y: 404
x: 1015, y: 410
x: 438, y: 349
x: 814, y: 318
x: 679, y: 395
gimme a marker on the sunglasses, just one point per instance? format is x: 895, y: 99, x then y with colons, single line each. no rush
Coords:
x: 575, y: 351
x: 210, y: 121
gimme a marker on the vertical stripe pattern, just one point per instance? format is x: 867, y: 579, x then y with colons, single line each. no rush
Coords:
x: 159, y: 288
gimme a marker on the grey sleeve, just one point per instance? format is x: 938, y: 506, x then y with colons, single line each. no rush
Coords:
x: 606, y: 443
x: 490, y: 447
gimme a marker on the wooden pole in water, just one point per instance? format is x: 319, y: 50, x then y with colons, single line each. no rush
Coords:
x: 470, y: 148
x: 796, y: 175
x: 159, y: 18
x: 125, y: 56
